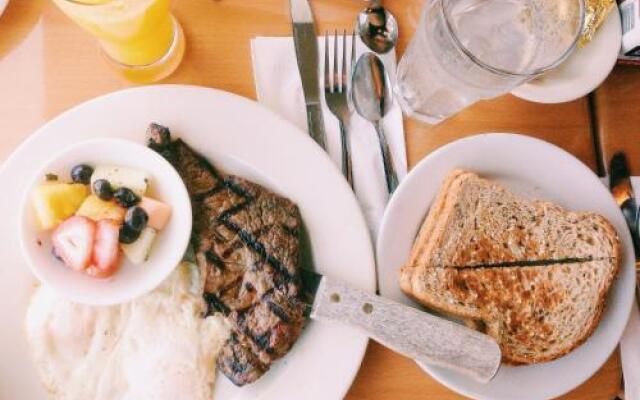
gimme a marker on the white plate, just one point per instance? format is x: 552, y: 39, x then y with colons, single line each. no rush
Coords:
x: 242, y: 137
x: 3, y: 4
x: 583, y: 71
x: 536, y: 169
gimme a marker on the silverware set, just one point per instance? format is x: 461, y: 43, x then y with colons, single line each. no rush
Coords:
x: 349, y: 86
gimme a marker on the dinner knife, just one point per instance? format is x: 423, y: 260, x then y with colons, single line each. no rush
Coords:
x: 622, y: 190
x: 406, y: 330
x: 306, y: 45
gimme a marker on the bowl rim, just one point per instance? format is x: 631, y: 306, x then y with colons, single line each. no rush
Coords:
x: 124, y: 296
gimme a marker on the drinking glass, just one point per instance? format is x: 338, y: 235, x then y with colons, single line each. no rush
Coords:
x: 140, y: 38
x: 467, y: 50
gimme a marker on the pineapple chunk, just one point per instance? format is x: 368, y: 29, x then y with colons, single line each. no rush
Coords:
x: 138, y: 251
x: 118, y: 177
x: 54, y: 202
x: 96, y: 209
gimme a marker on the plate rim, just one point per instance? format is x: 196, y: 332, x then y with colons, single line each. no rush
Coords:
x: 416, y: 171
x: 529, y: 92
x: 371, y: 280
x: 23, y: 216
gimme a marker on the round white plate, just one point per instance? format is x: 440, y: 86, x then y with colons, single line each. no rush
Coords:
x: 583, y: 71
x: 238, y: 136
x: 3, y: 4
x: 536, y: 169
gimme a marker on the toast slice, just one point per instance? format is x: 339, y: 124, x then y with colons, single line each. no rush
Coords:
x: 533, y: 274
x: 536, y: 314
x: 475, y: 221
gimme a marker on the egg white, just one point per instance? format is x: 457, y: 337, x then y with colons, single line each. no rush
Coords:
x: 154, y: 348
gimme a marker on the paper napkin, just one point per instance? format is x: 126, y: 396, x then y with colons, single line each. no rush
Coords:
x: 279, y: 88
x: 630, y: 343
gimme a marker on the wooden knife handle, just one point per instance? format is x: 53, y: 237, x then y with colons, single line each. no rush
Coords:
x: 408, y: 331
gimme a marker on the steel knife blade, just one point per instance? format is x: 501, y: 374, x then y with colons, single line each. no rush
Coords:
x: 622, y: 191
x: 406, y: 330
x: 306, y: 45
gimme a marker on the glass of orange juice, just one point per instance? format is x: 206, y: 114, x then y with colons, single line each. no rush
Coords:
x: 141, y: 38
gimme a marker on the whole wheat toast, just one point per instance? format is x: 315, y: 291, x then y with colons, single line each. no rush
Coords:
x: 475, y: 221
x: 534, y: 274
x: 536, y: 314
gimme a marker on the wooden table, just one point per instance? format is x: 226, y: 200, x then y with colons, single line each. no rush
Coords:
x: 48, y: 65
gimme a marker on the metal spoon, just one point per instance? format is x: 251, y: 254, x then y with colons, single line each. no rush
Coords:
x: 377, y: 28
x: 372, y: 99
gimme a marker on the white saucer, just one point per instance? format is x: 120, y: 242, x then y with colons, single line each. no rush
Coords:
x: 582, y: 72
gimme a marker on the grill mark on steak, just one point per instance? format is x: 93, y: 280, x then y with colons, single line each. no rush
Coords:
x: 243, y: 365
x: 214, y: 304
x: 214, y: 259
x: 260, y: 340
x: 208, y: 193
x: 226, y: 214
x: 240, y: 191
x: 247, y: 247
x: 239, y: 243
x: 279, y: 311
x: 248, y: 239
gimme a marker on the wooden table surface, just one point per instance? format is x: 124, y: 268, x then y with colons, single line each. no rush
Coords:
x: 48, y: 65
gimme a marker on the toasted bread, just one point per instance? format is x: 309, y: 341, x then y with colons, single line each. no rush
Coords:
x: 535, y: 275
x: 536, y: 314
x: 479, y: 222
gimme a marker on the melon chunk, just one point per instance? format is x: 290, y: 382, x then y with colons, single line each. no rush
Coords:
x: 95, y: 208
x: 157, y: 211
x: 138, y: 251
x: 118, y: 177
x: 54, y: 202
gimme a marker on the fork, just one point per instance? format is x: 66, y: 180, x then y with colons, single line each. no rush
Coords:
x: 335, y: 93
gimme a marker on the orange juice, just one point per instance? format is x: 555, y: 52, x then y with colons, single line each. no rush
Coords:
x: 140, y: 36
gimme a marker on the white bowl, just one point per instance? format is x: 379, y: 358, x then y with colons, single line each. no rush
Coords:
x: 131, y: 280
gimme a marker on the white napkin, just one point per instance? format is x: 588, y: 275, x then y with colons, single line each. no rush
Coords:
x: 279, y: 88
x: 630, y: 343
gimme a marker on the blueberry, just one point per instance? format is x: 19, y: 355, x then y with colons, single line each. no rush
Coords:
x: 136, y: 219
x: 128, y: 235
x: 81, y: 173
x: 102, y: 189
x: 55, y: 254
x: 126, y: 198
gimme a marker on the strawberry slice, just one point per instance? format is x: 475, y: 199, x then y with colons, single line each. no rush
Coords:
x: 106, y: 249
x: 73, y: 242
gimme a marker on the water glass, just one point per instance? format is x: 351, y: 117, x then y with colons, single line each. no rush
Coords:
x: 467, y: 50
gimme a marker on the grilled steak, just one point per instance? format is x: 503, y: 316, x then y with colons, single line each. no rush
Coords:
x: 246, y: 241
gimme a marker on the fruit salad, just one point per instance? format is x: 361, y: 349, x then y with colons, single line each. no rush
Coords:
x: 99, y: 215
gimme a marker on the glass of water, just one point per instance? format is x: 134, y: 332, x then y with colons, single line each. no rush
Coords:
x: 467, y: 50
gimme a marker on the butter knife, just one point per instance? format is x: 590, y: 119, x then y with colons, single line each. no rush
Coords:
x: 406, y: 330
x: 306, y: 45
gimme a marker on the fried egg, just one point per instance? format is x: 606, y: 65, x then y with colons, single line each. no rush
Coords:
x: 155, y: 347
